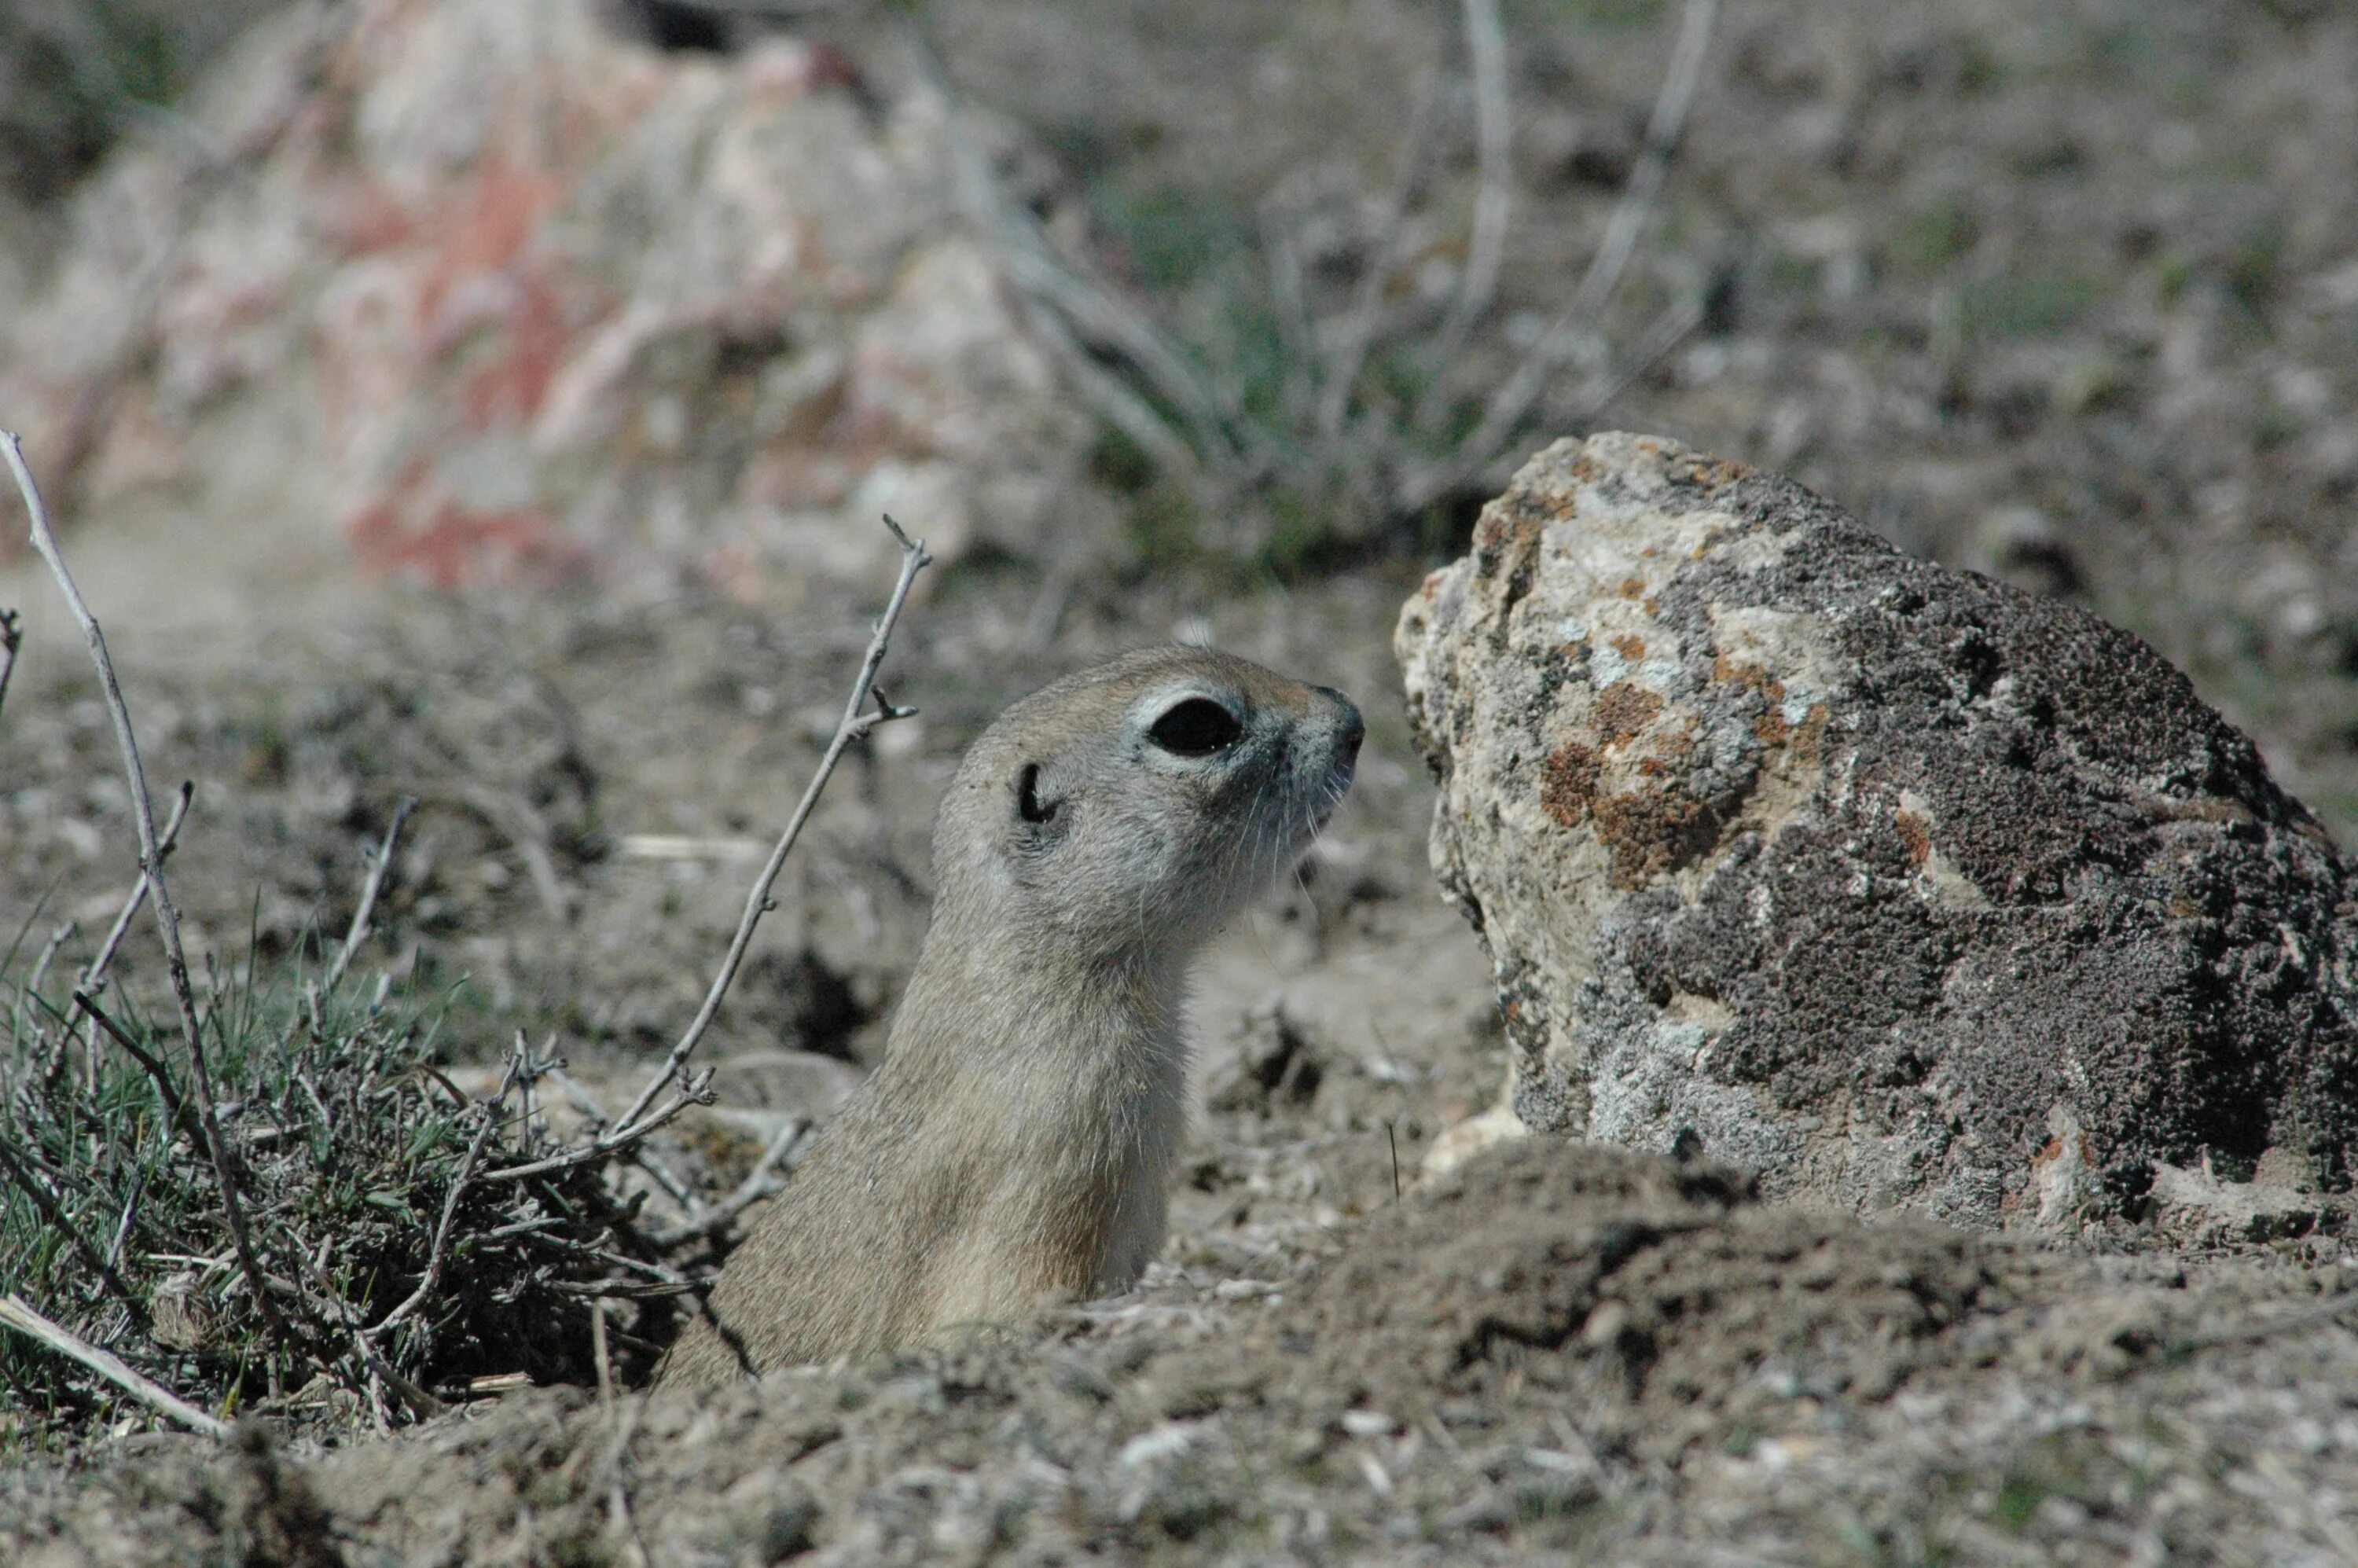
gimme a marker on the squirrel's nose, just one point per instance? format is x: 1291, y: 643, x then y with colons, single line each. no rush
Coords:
x: 1351, y: 729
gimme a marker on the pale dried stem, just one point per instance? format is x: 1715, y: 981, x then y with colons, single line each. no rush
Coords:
x: 604, y: 1357
x: 1512, y: 404
x: 16, y: 1314
x: 1384, y: 258
x: 1115, y: 403
x: 1485, y: 49
x: 175, y: 1112
x: 370, y: 891
x: 151, y: 861
x: 618, y: 1495
x: 1297, y: 333
x: 58, y: 937
x: 1064, y: 287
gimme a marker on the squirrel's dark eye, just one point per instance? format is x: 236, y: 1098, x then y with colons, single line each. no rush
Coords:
x: 1195, y: 728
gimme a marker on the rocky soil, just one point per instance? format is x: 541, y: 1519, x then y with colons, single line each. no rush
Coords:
x: 2062, y: 291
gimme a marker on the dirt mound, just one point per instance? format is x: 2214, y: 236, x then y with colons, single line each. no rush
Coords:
x: 1658, y: 1289
x: 1563, y: 1347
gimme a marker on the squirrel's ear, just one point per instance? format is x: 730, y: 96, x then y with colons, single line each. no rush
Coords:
x: 1029, y: 804
x: 1042, y: 818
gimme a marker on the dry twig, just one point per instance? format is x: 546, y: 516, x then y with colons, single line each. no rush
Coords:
x: 759, y: 1183
x: 858, y: 720
x: 432, y: 1280
x: 1366, y: 307
x: 1485, y: 49
x: 175, y: 1113
x: 1070, y: 303
x: 604, y: 1357
x: 94, y: 974
x: 11, y: 637
x: 1512, y: 404
x: 358, y: 932
x: 151, y: 864
x: 34, y: 1188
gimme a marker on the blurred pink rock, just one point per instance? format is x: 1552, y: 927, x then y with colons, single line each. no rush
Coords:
x: 505, y: 298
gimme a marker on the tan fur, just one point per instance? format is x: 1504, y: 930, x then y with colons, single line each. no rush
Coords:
x: 1015, y: 1145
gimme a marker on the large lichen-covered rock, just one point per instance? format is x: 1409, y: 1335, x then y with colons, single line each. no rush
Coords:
x: 1892, y: 882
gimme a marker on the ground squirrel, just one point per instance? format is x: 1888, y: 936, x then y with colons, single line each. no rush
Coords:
x: 1015, y: 1145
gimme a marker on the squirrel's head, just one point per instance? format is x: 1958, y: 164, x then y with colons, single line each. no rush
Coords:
x: 1126, y: 809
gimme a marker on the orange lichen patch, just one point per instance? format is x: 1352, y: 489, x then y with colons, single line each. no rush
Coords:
x: 1622, y: 709
x: 1633, y: 587
x: 1769, y: 726
x: 1507, y: 549
x: 1568, y: 783
x: 1709, y: 472
x: 1917, y: 835
x: 1629, y: 646
x: 1806, y: 740
x: 1652, y: 831
x: 2055, y: 1148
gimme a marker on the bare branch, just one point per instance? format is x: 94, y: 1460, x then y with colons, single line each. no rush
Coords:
x: 858, y: 719
x: 151, y: 863
x: 432, y: 1279
x: 94, y: 974
x: 1060, y: 284
x: 523, y: 826
x: 1667, y: 332
x: 1663, y: 128
x: 855, y: 722
x: 1290, y: 298
x: 16, y: 1314
x: 47, y: 1201
x: 11, y: 637
x: 759, y: 1183
x: 58, y: 937
x: 165, y: 1090
x: 604, y: 1357
x: 1112, y: 401
x: 607, y: 1144
x: 358, y: 932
